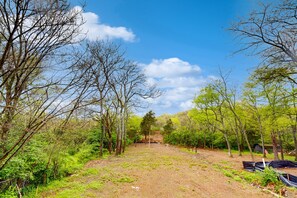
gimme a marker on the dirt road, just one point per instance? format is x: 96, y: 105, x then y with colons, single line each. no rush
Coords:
x: 158, y: 171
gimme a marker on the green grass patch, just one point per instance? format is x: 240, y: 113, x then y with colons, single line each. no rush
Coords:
x: 76, y: 190
x: 64, y: 189
x: 188, y: 150
x: 238, y: 175
x: 90, y: 171
x: 56, y: 184
x: 126, y: 165
x: 95, y: 185
x: 124, y: 179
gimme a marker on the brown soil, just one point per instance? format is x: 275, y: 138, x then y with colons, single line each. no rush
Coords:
x: 155, y: 137
x: 165, y: 171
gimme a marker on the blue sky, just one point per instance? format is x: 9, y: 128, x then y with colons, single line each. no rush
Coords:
x: 180, y: 43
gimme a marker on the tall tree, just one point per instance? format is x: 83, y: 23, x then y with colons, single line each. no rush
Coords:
x: 100, y: 60
x: 272, y: 91
x: 168, y: 128
x: 213, y: 105
x: 130, y: 86
x: 252, y: 101
x: 229, y: 95
x: 146, y: 124
x: 291, y: 111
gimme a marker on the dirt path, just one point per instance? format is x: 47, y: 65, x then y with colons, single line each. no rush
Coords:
x: 158, y: 171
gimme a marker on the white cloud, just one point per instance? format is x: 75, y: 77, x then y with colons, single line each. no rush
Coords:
x: 171, y: 67
x: 179, y: 80
x: 95, y: 30
x: 186, y: 105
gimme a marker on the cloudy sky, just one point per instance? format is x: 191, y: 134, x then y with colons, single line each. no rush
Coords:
x: 180, y: 44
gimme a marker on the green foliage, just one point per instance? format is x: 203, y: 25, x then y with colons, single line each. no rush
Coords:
x: 124, y: 179
x: 50, y: 156
x: 196, y: 139
x: 133, y: 128
x: 168, y: 128
x: 147, y: 122
x: 95, y: 138
x: 27, y: 165
x: 11, y: 192
x: 268, y: 176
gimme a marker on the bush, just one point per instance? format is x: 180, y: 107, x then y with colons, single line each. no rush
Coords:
x: 269, y: 176
x: 195, y: 139
x: 11, y: 192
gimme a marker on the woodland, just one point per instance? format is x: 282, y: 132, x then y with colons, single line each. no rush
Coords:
x: 66, y: 100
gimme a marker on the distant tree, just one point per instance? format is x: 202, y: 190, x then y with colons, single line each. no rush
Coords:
x: 168, y: 128
x: 146, y: 123
x: 133, y: 128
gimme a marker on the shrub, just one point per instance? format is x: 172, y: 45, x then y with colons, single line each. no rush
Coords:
x: 269, y: 176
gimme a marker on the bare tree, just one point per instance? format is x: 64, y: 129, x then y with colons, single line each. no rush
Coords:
x: 130, y: 86
x: 117, y: 85
x: 271, y: 33
x: 31, y: 34
x: 100, y: 61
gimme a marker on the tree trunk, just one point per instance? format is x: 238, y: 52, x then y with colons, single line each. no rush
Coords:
x: 3, y: 140
x: 212, y: 136
x: 274, y: 144
x: 238, y: 143
x: 101, y: 126
x: 118, y: 141
x: 125, y: 130
x: 294, y: 129
x: 120, y: 134
x: 228, y: 145
x: 204, y: 140
x: 248, y: 143
x: 262, y: 138
x: 281, y: 145
x: 241, y: 141
x: 109, y: 141
x: 237, y: 138
x: 102, y: 137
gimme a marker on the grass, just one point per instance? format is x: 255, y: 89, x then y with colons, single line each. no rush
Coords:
x: 187, y: 150
x: 124, y: 179
x: 90, y: 171
x: 86, y: 183
x: 238, y: 175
